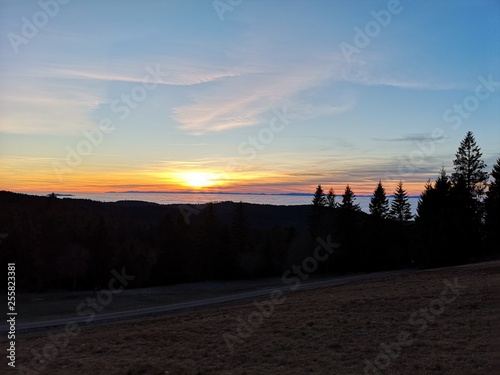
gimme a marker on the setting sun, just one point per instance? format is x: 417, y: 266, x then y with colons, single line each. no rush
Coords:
x: 198, y: 179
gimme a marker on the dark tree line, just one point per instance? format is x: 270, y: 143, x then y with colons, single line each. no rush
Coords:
x: 377, y: 241
x: 455, y: 218
x: 458, y: 219
x: 74, y: 244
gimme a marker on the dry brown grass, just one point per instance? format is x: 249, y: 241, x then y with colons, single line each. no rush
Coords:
x: 326, y: 331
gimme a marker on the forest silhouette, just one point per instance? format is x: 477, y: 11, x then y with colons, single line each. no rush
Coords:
x: 73, y: 244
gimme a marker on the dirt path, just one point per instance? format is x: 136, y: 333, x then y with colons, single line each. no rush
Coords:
x: 90, y: 314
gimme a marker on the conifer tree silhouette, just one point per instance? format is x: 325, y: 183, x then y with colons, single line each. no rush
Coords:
x: 330, y: 199
x: 400, y: 207
x: 469, y: 167
x: 319, y: 198
x: 379, y: 204
x: 316, y: 215
x: 348, y: 200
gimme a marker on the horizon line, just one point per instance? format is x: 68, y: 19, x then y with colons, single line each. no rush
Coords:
x: 230, y: 193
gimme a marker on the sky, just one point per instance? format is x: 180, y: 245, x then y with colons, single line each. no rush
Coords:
x: 268, y: 96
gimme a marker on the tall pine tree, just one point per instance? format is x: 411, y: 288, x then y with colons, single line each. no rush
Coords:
x: 379, y: 204
x: 468, y: 185
x: 317, y: 212
x: 330, y: 199
x: 469, y: 167
x: 319, y: 197
x: 400, y: 207
x: 348, y: 200
x: 349, y: 226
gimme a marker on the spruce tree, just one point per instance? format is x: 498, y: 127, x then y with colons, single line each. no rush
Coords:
x: 379, y: 204
x: 330, y: 199
x: 319, y: 199
x: 400, y: 207
x: 316, y: 215
x: 349, y: 228
x: 469, y: 167
x: 423, y: 202
x: 443, y: 183
x: 348, y: 200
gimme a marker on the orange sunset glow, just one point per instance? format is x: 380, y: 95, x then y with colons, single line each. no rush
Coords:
x: 238, y: 114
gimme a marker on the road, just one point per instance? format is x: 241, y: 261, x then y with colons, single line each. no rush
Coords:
x: 191, y: 305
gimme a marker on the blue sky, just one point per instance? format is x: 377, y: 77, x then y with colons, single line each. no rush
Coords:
x: 271, y: 71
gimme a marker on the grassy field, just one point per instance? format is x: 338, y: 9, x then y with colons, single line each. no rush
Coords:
x: 430, y: 322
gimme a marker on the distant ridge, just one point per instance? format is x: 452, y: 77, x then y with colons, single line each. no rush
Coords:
x: 235, y: 193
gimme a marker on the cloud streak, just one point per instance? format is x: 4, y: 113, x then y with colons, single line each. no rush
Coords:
x: 173, y: 77
x: 417, y: 137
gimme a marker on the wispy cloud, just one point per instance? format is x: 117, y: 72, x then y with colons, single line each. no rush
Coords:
x: 270, y: 80
x: 237, y: 91
x: 373, y: 70
x: 179, y: 75
x: 61, y: 98
x: 416, y: 137
x: 47, y: 108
